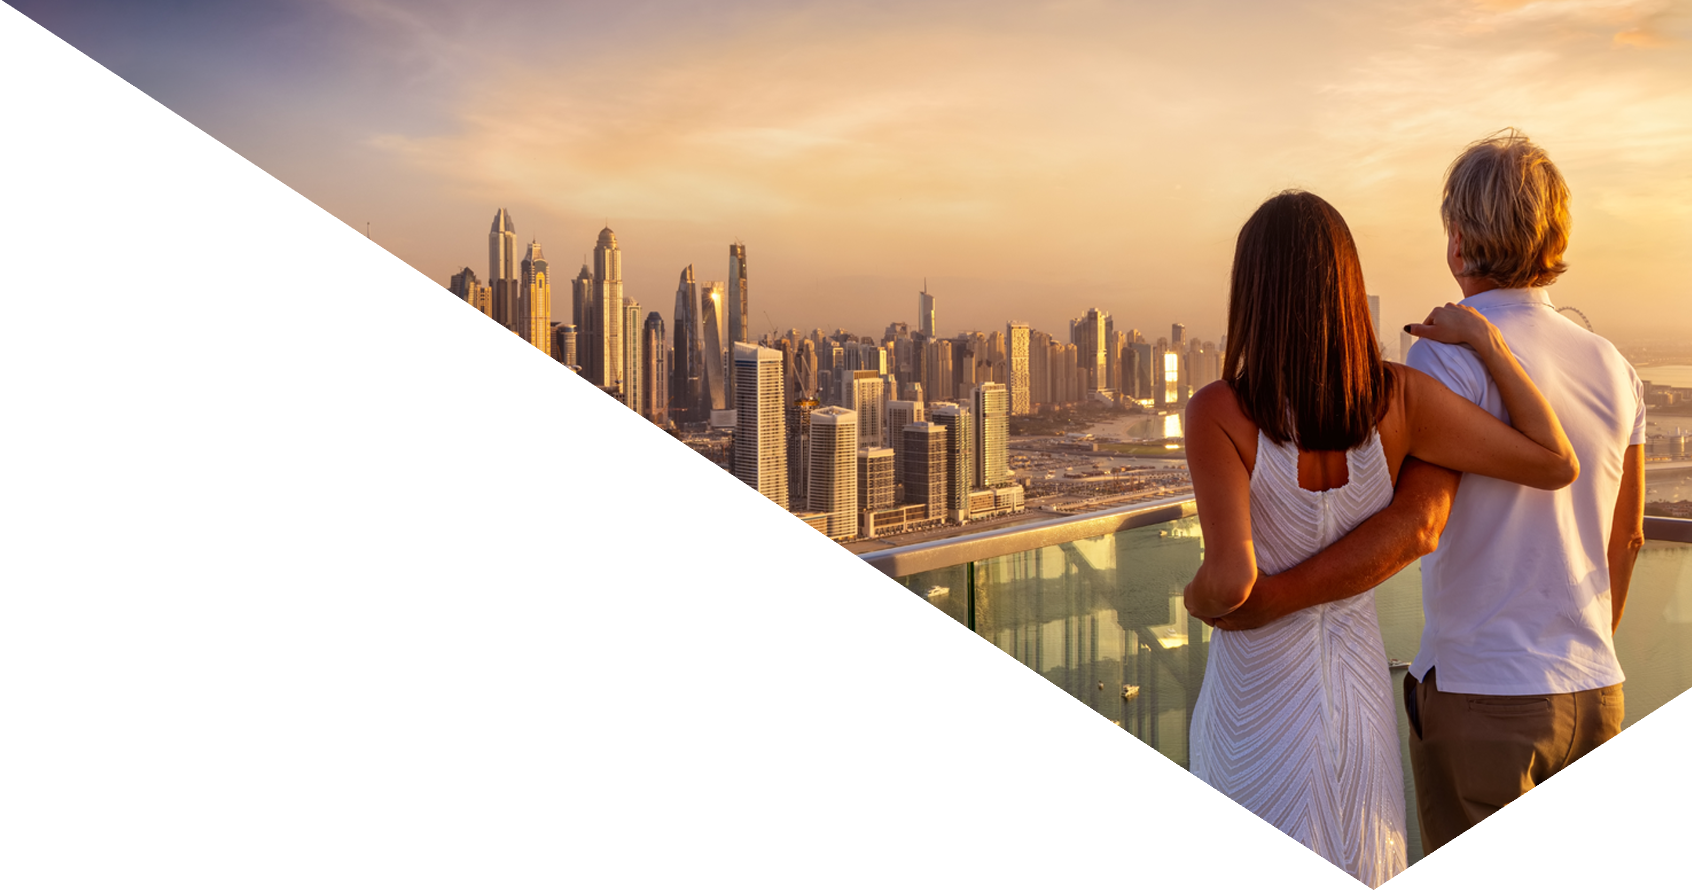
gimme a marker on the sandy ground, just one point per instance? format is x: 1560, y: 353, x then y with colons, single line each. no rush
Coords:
x: 340, y: 727
x: 354, y: 483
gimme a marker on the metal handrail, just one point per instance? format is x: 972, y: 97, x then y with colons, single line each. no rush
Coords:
x: 307, y: 679
x: 1673, y: 530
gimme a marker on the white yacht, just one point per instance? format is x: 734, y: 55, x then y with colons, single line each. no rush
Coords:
x: 393, y: 535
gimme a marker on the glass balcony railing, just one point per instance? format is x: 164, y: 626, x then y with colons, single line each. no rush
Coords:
x: 1005, y: 710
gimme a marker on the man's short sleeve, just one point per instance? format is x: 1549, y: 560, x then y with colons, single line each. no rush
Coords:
x: 1639, y: 413
x: 1455, y: 367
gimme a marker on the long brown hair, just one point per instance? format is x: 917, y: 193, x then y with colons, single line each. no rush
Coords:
x: 1302, y: 355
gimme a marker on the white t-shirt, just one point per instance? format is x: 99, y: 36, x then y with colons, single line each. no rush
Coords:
x: 1517, y: 597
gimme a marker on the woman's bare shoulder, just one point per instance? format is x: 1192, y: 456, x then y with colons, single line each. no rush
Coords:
x: 1216, y: 404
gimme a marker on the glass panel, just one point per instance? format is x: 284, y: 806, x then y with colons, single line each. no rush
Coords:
x: 1654, y: 641
x: 291, y: 791
x: 814, y: 730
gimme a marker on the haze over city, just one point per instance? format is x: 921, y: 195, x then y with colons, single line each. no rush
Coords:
x: 1027, y: 160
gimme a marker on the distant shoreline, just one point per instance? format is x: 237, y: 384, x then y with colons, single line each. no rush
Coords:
x: 354, y: 483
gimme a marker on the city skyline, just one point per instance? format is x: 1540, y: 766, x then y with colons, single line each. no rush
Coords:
x: 1088, y: 156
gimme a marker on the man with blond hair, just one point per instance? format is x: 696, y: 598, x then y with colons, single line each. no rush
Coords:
x: 1517, y: 675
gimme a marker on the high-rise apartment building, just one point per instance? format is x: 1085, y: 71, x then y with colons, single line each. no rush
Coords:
x: 340, y: 375
x: 925, y: 313
x: 992, y: 435
x: 900, y: 413
x: 713, y: 368
x: 1017, y: 379
x: 760, y: 425
x: 739, y: 306
x: 432, y: 381
x: 467, y: 317
x: 924, y: 458
x: 1090, y: 339
x: 633, y: 358
x: 1405, y: 340
x: 654, y: 371
x: 685, y: 385
x: 598, y: 422
x: 366, y: 331
x: 1177, y: 335
x: 960, y: 456
x: 214, y: 408
x: 502, y: 270
x: 1375, y: 323
x: 664, y: 485
x: 875, y: 478
x: 581, y: 313
x: 396, y: 381
x: 610, y: 354
x: 534, y: 304
x: 564, y: 345
x: 799, y: 451
x: 869, y: 398
x: 833, y: 476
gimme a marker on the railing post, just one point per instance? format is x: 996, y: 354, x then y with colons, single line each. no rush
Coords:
x: 972, y: 754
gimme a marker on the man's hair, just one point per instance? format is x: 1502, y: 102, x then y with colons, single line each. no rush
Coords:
x: 1511, y: 206
x: 1302, y: 355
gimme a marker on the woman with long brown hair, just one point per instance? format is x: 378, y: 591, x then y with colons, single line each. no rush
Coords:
x: 1300, y: 441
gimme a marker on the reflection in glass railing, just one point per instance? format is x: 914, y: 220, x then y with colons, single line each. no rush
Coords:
x: 816, y: 732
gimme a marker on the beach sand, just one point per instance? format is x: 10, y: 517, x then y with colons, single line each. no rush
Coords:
x: 340, y: 727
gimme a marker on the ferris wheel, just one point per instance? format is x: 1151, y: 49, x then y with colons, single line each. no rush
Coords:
x: 1576, y: 311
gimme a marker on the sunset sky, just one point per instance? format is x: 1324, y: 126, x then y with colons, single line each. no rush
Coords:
x: 1029, y: 160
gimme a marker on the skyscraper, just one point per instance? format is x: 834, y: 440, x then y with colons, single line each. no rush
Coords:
x: 925, y: 313
x: 869, y: 398
x: 432, y: 381
x: 712, y: 367
x: 1089, y: 336
x: 833, y: 476
x: 686, y: 389
x: 466, y: 319
x: 654, y: 372
x: 739, y: 328
x: 502, y: 269
x: 609, y: 351
x: 1177, y: 335
x: 875, y: 478
x: 214, y: 408
x: 564, y: 345
x: 760, y: 426
x: 1016, y: 339
x: 960, y: 457
x: 924, y: 456
x: 1375, y: 322
x: 534, y: 306
x: 664, y: 486
x: 366, y: 329
x: 632, y: 356
x: 900, y: 413
x: 598, y: 424
x: 992, y: 435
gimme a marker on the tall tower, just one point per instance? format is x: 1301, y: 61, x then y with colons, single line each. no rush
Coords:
x: 466, y: 302
x: 632, y: 356
x: 760, y: 424
x: 534, y: 318
x: 739, y: 328
x: 925, y: 312
x: 685, y: 387
x: 868, y: 396
x: 924, y: 456
x: 654, y: 372
x: 598, y: 424
x: 1016, y: 339
x: 833, y: 473
x: 502, y: 267
x: 1375, y: 323
x: 900, y: 413
x: 1091, y: 342
x: 875, y: 478
x: 1177, y: 334
x: 713, y: 369
x: 992, y: 435
x: 609, y: 352
x: 366, y: 331
x: 960, y: 456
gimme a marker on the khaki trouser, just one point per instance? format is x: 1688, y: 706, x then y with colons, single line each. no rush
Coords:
x: 1472, y: 754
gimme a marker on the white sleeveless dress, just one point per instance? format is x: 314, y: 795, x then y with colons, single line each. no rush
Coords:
x: 1295, y: 720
